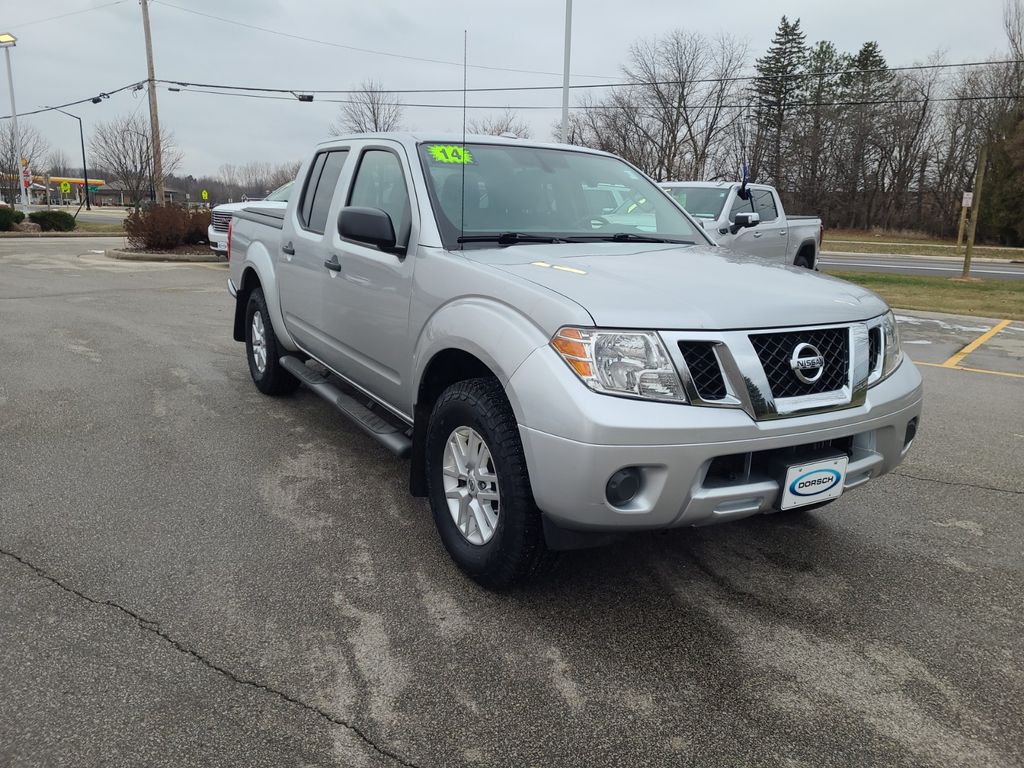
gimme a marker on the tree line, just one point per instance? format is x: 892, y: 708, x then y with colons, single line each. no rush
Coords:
x: 839, y: 133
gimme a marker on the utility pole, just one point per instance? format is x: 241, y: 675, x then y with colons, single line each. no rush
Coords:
x: 565, y: 72
x: 979, y: 179
x: 154, y: 118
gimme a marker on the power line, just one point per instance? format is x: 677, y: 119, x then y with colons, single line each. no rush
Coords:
x: 94, y: 99
x: 588, y: 86
x: 413, y: 105
x: 65, y: 15
x: 390, y: 54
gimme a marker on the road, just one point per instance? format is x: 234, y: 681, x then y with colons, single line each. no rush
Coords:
x: 941, y: 267
x: 192, y: 574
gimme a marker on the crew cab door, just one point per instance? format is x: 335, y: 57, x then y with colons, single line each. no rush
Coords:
x: 367, y: 290
x: 300, y: 269
x: 770, y: 237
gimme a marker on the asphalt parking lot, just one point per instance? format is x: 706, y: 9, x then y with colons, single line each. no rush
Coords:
x: 196, y: 575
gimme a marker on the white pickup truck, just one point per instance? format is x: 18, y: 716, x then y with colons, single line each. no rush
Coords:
x: 756, y: 224
x: 220, y: 216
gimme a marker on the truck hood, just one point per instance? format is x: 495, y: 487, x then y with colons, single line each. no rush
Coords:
x: 673, y: 287
x: 232, y: 207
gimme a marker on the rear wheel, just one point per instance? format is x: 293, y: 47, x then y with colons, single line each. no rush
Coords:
x: 479, y: 487
x: 804, y: 259
x: 263, y: 351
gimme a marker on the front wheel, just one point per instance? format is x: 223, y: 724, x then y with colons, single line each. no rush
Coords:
x: 479, y: 487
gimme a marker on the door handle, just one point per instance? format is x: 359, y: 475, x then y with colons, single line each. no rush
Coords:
x: 288, y: 248
x: 758, y: 234
x: 782, y: 233
x: 333, y: 264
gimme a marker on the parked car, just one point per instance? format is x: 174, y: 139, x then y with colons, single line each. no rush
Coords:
x: 555, y: 378
x: 756, y: 224
x: 220, y: 215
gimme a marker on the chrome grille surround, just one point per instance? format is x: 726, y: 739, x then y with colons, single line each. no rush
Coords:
x: 747, y: 385
x: 220, y: 221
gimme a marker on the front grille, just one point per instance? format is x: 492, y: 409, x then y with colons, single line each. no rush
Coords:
x: 220, y: 221
x: 774, y: 350
x: 874, y: 347
x: 703, y: 364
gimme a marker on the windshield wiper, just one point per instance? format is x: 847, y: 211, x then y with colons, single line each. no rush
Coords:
x: 509, y: 238
x: 628, y: 237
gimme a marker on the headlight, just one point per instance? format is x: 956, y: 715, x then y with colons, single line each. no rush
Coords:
x: 891, y: 352
x: 625, y: 363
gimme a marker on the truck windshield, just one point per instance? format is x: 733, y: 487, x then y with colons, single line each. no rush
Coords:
x: 519, y: 193
x: 702, y: 202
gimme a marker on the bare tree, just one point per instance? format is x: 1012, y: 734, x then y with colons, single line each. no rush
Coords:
x: 123, y: 145
x: 370, y: 110
x: 33, y: 148
x: 58, y: 164
x: 496, y: 125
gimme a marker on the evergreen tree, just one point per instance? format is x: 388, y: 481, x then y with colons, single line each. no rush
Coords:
x: 866, y: 88
x: 776, y: 88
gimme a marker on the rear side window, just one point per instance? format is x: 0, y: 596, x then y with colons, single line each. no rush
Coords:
x: 380, y: 183
x: 320, y: 186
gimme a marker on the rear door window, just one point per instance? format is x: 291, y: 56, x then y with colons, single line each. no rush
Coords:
x: 320, y: 185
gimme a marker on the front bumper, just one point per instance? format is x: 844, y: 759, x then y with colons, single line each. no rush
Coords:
x: 218, y: 240
x: 575, y: 440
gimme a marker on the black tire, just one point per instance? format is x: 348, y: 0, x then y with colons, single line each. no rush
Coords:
x: 516, y: 550
x: 273, y: 379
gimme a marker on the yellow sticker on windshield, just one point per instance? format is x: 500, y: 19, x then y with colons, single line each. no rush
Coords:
x: 450, y: 153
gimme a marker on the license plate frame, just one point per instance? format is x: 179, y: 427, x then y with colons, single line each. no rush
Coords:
x: 808, y: 483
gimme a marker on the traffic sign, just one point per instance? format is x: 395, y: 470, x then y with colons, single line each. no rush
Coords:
x: 65, y: 187
x: 205, y: 195
x: 968, y: 200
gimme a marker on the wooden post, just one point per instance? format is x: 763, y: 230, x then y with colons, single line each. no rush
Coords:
x: 979, y: 179
x: 960, y: 232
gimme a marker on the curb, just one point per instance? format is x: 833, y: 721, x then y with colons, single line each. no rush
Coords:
x: 60, y: 234
x: 195, y: 258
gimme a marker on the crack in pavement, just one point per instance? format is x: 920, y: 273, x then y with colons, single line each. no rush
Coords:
x: 149, y: 625
x: 954, y: 482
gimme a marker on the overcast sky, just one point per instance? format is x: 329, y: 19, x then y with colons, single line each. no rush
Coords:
x: 74, y: 57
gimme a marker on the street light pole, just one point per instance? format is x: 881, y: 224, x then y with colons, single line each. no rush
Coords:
x: 8, y: 41
x: 565, y: 72
x: 85, y: 168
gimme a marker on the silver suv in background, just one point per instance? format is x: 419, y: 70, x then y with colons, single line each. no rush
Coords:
x: 556, y: 372
x: 750, y: 219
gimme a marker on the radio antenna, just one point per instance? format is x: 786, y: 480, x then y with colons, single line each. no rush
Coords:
x: 465, y: 67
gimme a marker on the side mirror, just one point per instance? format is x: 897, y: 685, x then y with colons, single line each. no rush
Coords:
x: 744, y: 220
x: 367, y: 225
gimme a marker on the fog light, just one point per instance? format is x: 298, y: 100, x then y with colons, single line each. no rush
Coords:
x: 623, y: 486
x: 911, y: 432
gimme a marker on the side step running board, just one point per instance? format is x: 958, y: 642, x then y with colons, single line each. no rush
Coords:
x: 386, y: 433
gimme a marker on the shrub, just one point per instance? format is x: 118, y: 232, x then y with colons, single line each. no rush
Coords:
x: 53, y: 221
x: 198, y: 224
x: 7, y: 219
x: 19, y: 216
x: 160, y: 228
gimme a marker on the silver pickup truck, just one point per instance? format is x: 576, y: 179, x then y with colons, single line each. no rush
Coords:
x: 556, y: 377
x: 752, y: 222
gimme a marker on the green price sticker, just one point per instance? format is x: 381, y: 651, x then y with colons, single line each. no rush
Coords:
x: 450, y: 153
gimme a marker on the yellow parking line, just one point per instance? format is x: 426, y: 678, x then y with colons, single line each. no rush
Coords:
x: 954, y: 361
x: 971, y: 370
